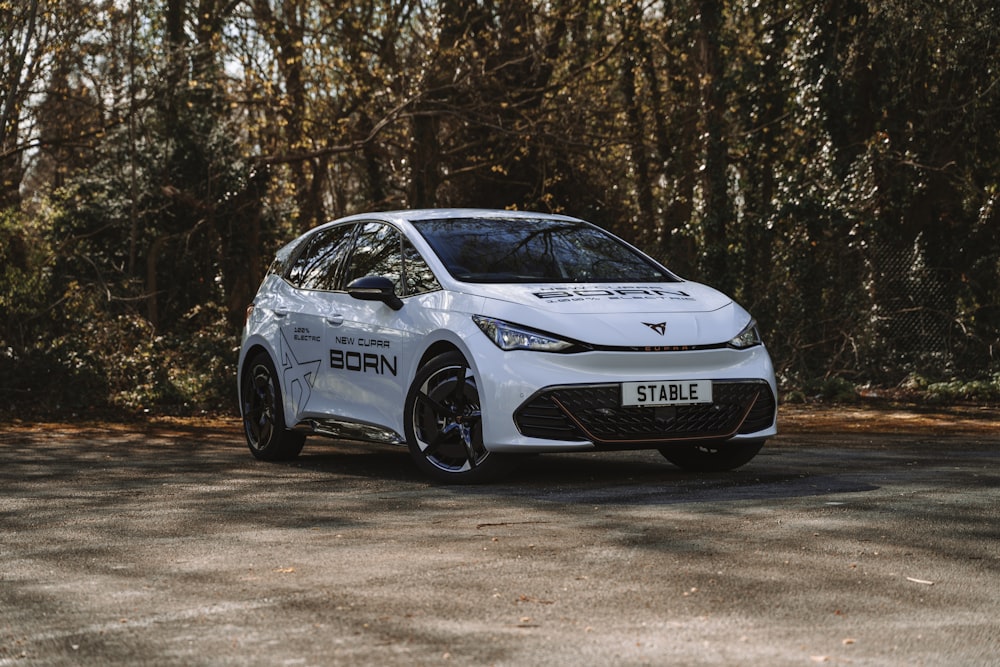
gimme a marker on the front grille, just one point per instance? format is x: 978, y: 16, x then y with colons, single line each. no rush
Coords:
x: 595, y: 413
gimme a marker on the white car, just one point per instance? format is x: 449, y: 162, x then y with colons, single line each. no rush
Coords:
x: 474, y: 336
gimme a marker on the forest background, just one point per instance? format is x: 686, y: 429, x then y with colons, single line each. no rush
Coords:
x: 832, y: 164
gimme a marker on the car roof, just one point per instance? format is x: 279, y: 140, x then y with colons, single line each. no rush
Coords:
x: 414, y: 215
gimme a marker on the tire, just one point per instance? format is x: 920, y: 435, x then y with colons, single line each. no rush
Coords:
x: 263, y: 414
x: 711, y: 457
x: 443, y: 422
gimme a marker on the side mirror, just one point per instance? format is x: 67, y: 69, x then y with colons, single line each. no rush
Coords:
x: 375, y: 288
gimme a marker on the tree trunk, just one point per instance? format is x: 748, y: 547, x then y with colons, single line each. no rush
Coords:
x: 716, y: 206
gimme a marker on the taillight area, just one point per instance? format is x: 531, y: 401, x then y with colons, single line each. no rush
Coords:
x: 247, y: 318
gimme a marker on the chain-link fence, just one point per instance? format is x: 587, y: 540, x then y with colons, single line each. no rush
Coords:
x: 912, y: 313
x: 877, y: 313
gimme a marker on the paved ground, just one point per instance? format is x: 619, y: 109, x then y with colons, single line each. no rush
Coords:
x: 853, y: 539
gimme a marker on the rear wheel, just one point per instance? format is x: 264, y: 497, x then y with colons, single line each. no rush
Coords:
x: 713, y: 456
x: 263, y: 415
x: 443, y: 421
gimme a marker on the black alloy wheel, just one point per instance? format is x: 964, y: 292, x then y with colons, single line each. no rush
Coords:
x: 263, y: 416
x: 443, y: 422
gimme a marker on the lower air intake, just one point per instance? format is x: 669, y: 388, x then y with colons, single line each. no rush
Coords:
x: 595, y: 413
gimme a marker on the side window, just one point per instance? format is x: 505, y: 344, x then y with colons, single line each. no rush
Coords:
x: 320, y: 265
x: 282, y: 258
x: 418, y: 276
x: 377, y: 252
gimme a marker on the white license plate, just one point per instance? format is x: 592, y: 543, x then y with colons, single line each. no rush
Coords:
x: 686, y: 392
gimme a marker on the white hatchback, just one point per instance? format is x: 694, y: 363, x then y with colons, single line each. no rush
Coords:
x: 472, y: 336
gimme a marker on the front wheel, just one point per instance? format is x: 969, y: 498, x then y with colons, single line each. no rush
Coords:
x: 263, y: 415
x: 443, y: 421
x: 713, y: 456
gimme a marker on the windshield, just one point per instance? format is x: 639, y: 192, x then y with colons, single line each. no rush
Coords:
x: 521, y: 250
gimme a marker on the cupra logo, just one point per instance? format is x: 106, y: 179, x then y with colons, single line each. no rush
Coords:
x: 659, y: 327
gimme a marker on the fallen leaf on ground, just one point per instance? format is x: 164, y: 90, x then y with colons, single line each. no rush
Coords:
x: 920, y: 581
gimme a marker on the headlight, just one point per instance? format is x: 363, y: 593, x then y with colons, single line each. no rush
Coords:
x: 509, y: 336
x: 749, y: 337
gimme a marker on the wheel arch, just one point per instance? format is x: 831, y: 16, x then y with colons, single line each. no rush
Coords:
x: 248, y: 355
x: 250, y: 352
x: 438, y: 348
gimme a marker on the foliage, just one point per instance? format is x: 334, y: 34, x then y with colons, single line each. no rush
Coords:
x: 834, y: 389
x: 25, y: 277
x: 832, y: 165
x: 954, y: 390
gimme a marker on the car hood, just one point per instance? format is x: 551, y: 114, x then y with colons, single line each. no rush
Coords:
x: 661, y: 314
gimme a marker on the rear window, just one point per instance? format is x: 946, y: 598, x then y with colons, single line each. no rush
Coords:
x: 535, y: 250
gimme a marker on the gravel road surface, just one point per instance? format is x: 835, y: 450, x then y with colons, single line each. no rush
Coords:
x: 858, y: 537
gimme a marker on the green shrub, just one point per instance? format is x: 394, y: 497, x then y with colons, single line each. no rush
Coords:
x: 984, y: 390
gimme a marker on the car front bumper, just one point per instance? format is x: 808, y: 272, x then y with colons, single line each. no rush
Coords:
x: 537, y: 402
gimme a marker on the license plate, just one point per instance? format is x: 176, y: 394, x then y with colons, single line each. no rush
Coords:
x: 686, y: 392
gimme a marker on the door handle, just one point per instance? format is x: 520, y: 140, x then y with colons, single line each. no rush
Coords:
x: 280, y: 313
x: 335, y: 320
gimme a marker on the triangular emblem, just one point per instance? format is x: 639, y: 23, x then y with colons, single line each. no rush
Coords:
x: 659, y: 327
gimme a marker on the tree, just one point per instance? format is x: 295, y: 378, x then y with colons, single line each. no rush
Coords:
x: 830, y: 164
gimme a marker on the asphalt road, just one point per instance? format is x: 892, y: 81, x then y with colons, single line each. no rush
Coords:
x: 865, y: 541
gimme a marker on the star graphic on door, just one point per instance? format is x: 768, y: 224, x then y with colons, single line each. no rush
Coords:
x: 297, y: 377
